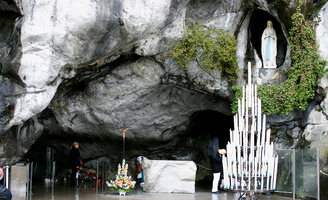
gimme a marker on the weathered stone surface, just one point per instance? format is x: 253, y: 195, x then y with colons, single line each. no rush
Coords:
x: 270, y: 76
x: 133, y: 93
x: 315, y: 132
x: 315, y: 116
x: 322, y: 32
x: 294, y: 132
x: 162, y: 176
x: 75, y: 70
x: 18, y: 140
x: 61, y: 35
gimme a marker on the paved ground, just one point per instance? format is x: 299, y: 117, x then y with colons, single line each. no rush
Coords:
x: 89, y: 192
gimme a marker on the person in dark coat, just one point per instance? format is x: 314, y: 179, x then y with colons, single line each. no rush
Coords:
x: 214, y: 153
x: 5, y: 194
x: 74, y: 161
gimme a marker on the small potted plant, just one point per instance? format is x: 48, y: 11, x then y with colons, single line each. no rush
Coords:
x: 123, y: 183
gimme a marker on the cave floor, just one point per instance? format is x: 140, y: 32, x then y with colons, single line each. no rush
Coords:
x: 87, y: 191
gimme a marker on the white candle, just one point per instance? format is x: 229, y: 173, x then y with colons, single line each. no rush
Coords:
x: 243, y: 103
x: 255, y: 98
x: 240, y: 138
x: 246, y: 120
x: 246, y: 146
x: 234, y: 165
x: 249, y: 73
x: 242, y: 174
x: 267, y: 175
x: 272, y: 171
x: 252, y: 145
x: 252, y: 99
x: 259, y: 159
x: 262, y: 175
x: 238, y: 160
x: 247, y: 96
x: 260, y: 107
x: 259, y: 117
x: 263, y: 130
x: 224, y: 165
x: 249, y: 175
x: 255, y: 174
x: 268, y: 136
x: 275, y: 172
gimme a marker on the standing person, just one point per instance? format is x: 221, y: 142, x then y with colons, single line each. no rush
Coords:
x: 5, y: 194
x: 74, y: 161
x: 140, y: 169
x: 214, y: 153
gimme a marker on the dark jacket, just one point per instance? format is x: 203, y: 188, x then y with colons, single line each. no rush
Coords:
x: 74, y: 157
x: 5, y: 194
x: 215, y: 158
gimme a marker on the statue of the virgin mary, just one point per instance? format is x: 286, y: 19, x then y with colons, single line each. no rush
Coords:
x: 269, y: 46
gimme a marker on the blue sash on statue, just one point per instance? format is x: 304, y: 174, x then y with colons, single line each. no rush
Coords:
x: 268, y: 56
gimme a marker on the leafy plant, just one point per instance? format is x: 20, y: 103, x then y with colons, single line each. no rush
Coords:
x: 210, y: 47
x: 302, y: 77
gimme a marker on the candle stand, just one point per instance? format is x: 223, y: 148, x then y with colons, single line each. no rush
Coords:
x: 250, y: 165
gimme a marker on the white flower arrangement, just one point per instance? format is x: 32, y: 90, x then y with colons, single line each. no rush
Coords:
x: 123, y: 182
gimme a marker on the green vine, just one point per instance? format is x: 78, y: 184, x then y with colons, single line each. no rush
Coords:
x: 212, y: 49
x: 302, y: 77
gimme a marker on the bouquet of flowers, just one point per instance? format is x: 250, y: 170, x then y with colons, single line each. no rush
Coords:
x: 123, y: 182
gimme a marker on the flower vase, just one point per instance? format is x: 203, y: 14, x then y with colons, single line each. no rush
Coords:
x: 122, y: 192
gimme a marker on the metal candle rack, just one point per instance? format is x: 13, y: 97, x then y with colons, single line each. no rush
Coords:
x: 250, y: 166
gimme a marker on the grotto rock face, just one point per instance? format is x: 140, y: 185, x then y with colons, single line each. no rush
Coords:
x: 137, y: 94
x: 76, y: 70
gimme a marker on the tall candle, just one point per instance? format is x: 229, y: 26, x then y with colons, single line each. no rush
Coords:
x: 234, y: 165
x: 249, y: 73
x: 243, y: 102
x: 239, y: 159
x: 255, y: 173
x: 246, y: 146
x: 246, y: 120
x: 249, y: 175
x: 225, y: 175
x: 263, y: 130
x: 262, y: 176
x: 252, y: 144
x: 252, y: 99
x: 242, y: 174
x: 260, y: 107
x: 268, y: 136
x: 247, y: 97
x: 268, y: 176
x: 255, y: 99
x: 275, y: 172
x: 272, y: 171
x: 259, y: 117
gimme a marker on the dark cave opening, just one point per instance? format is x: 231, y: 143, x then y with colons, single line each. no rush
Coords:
x: 203, y: 126
x: 211, y: 124
x: 258, y: 23
x: 192, y: 145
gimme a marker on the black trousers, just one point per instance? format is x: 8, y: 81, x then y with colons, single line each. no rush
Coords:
x: 73, y: 176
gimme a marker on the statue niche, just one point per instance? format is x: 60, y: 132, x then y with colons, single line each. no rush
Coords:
x: 269, y: 46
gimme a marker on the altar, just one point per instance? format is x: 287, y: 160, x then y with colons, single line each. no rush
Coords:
x: 169, y: 176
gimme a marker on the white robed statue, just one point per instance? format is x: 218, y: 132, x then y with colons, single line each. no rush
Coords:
x: 269, y: 46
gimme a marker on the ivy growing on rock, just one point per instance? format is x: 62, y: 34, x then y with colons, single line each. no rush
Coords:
x: 302, y: 77
x: 213, y: 49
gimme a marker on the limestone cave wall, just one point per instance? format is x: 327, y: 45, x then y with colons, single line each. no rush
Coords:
x: 76, y: 70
